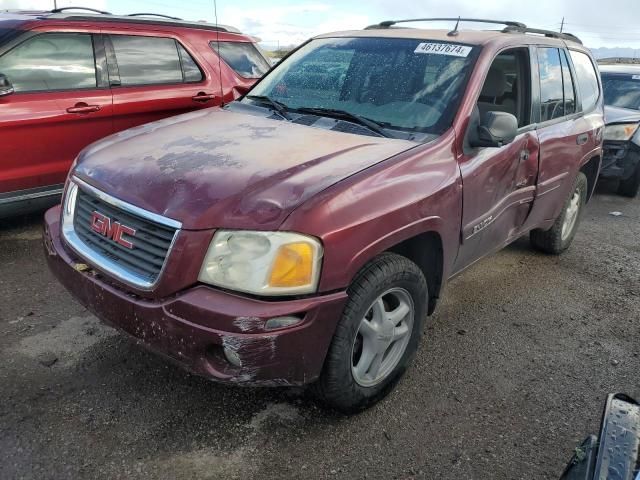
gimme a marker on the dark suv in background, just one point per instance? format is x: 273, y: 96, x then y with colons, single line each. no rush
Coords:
x: 621, y: 160
x: 69, y: 78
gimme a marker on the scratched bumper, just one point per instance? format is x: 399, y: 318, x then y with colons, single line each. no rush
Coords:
x: 193, y: 326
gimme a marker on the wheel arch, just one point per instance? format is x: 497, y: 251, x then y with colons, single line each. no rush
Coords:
x: 591, y: 170
x: 426, y: 251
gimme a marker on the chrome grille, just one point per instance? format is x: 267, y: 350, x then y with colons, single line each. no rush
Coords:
x: 151, y: 242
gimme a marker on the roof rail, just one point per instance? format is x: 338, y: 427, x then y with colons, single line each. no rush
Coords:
x: 153, y: 15
x: 64, y: 9
x: 136, y: 18
x: 510, y: 26
x: 547, y: 33
x: 390, y: 23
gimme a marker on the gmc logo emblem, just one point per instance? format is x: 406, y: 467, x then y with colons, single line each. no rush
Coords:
x: 104, y: 226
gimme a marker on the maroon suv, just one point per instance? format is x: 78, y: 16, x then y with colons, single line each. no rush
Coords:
x: 302, y: 234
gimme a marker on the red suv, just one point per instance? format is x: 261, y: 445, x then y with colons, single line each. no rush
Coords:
x: 68, y: 79
x: 302, y: 234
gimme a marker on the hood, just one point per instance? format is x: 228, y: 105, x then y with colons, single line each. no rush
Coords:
x: 215, y: 168
x: 620, y: 115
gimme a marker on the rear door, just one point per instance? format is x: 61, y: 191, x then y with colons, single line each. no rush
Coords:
x: 61, y: 104
x: 153, y: 77
x: 499, y: 182
x: 569, y: 127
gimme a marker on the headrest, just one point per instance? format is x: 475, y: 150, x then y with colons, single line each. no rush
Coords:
x: 496, y: 83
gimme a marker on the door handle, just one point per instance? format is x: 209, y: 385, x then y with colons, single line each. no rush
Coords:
x: 524, y: 155
x: 203, y: 97
x: 582, y: 139
x: 83, y: 108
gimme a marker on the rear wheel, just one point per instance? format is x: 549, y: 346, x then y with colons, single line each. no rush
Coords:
x: 559, y: 237
x: 377, y: 336
x: 631, y: 186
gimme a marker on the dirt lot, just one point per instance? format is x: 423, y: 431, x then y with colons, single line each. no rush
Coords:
x: 512, y: 374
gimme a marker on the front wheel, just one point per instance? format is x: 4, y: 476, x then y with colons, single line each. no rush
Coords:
x: 559, y: 237
x: 377, y: 336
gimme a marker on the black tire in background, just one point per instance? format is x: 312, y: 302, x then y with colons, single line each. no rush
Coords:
x: 338, y: 386
x: 631, y: 186
x: 556, y: 240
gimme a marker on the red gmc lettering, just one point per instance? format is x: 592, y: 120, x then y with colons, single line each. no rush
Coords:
x: 103, y: 225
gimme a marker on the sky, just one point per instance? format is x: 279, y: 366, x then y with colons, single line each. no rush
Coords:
x: 288, y: 22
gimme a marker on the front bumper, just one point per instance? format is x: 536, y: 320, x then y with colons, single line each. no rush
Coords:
x: 620, y: 159
x: 193, y: 326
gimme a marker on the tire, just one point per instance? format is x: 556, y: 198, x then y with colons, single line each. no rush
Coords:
x: 346, y: 384
x: 556, y: 240
x: 631, y: 186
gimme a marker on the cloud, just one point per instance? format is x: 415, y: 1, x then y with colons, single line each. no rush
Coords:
x: 48, y: 4
x: 290, y: 24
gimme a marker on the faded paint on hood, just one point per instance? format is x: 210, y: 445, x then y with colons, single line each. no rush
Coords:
x: 216, y: 168
x: 620, y: 115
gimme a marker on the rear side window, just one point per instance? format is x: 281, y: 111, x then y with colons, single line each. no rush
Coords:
x: 551, y: 88
x: 146, y: 60
x: 567, y: 83
x: 153, y: 60
x: 51, y: 61
x: 243, y: 57
x: 192, y: 72
x: 587, y: 80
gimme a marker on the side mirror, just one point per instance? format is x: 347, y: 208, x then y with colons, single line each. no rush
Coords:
x: 5, y: 86
x: 495, y: 130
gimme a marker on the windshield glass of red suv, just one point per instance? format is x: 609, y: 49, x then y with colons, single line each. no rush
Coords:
x: 402, y: 84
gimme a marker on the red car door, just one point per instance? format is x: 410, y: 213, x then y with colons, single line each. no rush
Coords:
x: 154, y: 77
x: 61, y: 104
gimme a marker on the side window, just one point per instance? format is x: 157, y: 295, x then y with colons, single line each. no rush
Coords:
x: 551, y: 88
x: 567, y: 83
x: 243, y: 57
x: 587, y: 80
x: 192, y: 72
x: 146, y: 60
x: 51, y: 61
x: 508, y: 86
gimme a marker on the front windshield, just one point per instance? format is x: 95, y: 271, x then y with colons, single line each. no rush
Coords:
x: 622, y: 91
x: 404, y: 84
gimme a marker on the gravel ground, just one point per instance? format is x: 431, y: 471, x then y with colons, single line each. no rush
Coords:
x: 512, y: 374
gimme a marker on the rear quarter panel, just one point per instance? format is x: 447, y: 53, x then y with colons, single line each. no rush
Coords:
x: 360, y: 217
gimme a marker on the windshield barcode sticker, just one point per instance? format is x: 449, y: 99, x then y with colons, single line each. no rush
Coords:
x: 443, y: 49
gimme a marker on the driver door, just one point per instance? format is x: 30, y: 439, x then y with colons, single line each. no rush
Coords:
x: 61, y: 104
x: 499, y: 182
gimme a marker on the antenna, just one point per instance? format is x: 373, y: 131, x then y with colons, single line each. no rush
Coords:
x: 454, y: 32
x: 215, y: 12
x: 562, y: 25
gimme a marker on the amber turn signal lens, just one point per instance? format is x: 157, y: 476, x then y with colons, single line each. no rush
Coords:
x: 293, y: 266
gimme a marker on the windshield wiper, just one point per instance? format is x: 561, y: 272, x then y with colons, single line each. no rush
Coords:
x: 279, y: 107
x: 351, y: 117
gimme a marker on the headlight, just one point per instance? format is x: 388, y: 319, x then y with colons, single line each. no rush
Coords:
x: 263, y: 263
x: 69, y: 203
x: 621, y: 132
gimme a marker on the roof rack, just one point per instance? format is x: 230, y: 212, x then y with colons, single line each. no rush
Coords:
x: 390, y: 23
x: 547, y: 33
x: 100, y: 15
x: 153, y: 15
x: 86, y: 9
x: 510, y: 26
